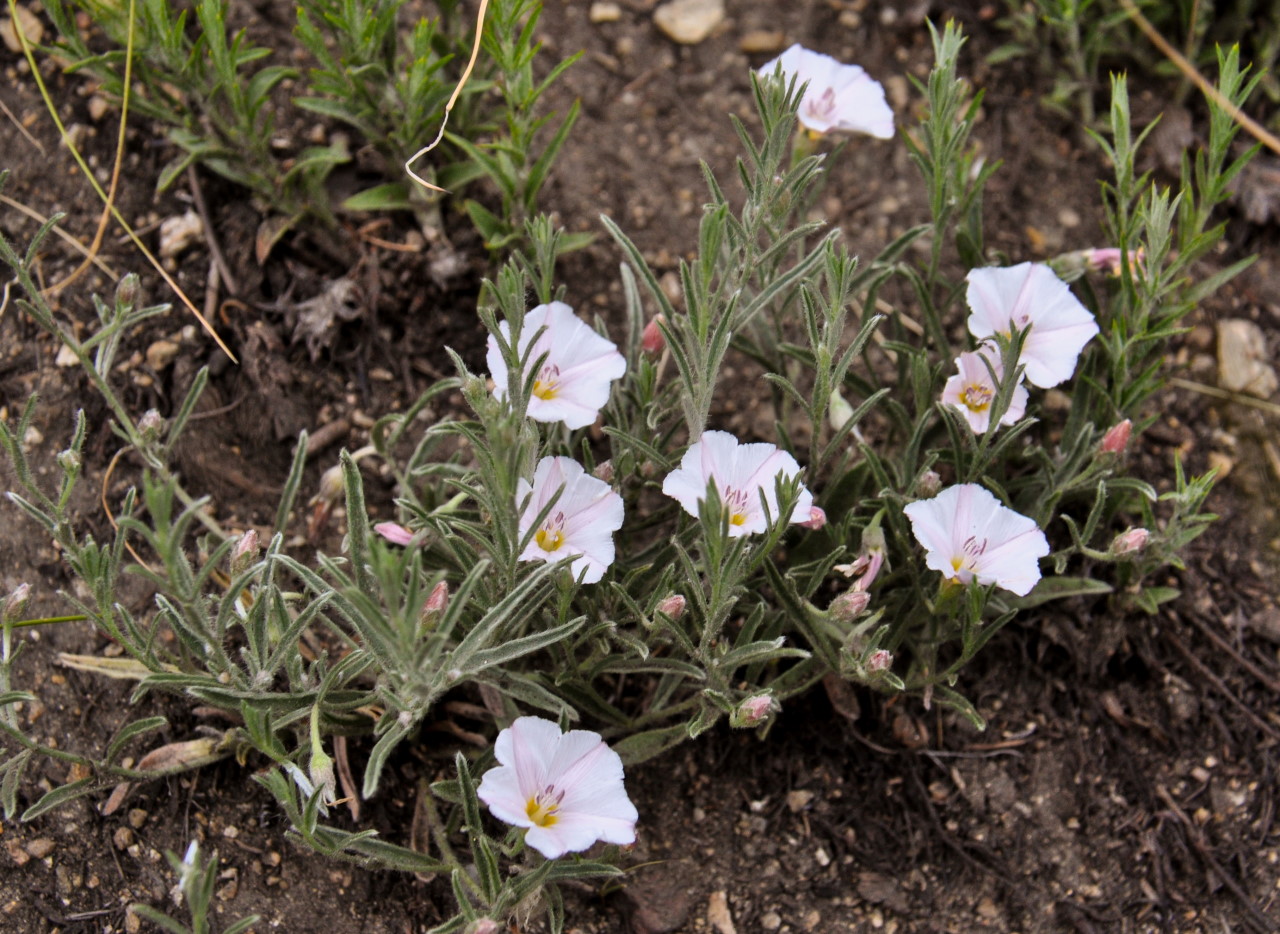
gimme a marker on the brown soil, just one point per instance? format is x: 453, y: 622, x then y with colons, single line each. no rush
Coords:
x: 1127, y: 779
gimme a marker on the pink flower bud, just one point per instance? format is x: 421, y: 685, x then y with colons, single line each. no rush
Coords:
x: 483, y: 926
x: 850, y: 605
x: 150, y: 426
x: 1107, y: 259
x: 880, y: 660
x: 673, y: 606
x: 393, y: 532
x: 604, y: 471
x: 244, y: 553
x: 438, y: 600
x: 753, y: 711
x: 651, y: 341
x: 929, y: 485
x: 1130, y: 541
x: 817, y: 518
x: 1117, y: 437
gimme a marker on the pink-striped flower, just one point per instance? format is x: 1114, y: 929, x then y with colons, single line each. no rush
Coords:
x: 1031, y: 296
x: 581, y: 523
x: 565, y: 788
x: 973, y: 389
x: 838, y: 97
x: 969, y: 535
x: 576, y: 371
x: 744, y: 476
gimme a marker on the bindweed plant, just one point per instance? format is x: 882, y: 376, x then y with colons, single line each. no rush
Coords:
x: 661, y: 575
x: 219, y: 94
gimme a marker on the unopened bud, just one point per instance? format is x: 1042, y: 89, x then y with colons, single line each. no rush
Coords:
x: 320, y: 771
x: 437, y: 603
x: 1130, y: 541
x: 483, y: 926
x: 880, y: 660
x: 929, y: 485
x: 69, y: 461
x: 330, y: 486
x: 604, y: 471
x: 1117, y: 437
x: 245, y: 553
x: 673, y: 606
x: 128, y: 291
x: 150, y: 426
x: 393, y: 532
x: 849, y: 605
x: 753, y: 711
x: 15, y: 603
x: 817, y: 518
x: 652, y: 341
x: 839, y: 411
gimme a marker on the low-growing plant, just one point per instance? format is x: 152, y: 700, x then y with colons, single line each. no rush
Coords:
x: 220, y: 95
x: 662, y: 575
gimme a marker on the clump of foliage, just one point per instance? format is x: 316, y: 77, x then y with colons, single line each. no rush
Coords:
x: 725, y: 590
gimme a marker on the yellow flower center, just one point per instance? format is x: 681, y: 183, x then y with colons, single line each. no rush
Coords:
x: 547, y: 385
x: 735, y: 506
x: 551, y: 536
x: 977, y: 397
x: 542, y: 807
x: 549, y: 539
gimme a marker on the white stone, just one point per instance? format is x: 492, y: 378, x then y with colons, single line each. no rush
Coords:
x: 1242, y: 359
x: 689, y: 21
x: 604, y: 12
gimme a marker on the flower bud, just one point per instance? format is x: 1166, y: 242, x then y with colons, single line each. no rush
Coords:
x: 604, y: 471
x: 880, y: 660
x: 849, y: 605
x: 839, y: 410
x: 817, y: 519
x: 483, y: 926
x: 437, y: 603
x: 753, y: 711
x: 69, y: 461
x: 673, y: 606
x: 1130, y: 541
x: 929, y: 484
x: 15, y: 603
x: 330, y: 485
x: 1117, y: 437
x: 652, y: 341
x: 128, y: 291
x: 245, y: 553
x: 393, y: 532
x: 150, y: 426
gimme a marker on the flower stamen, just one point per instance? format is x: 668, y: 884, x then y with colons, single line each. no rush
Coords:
x: 547, y: 384
x: 542, y: 807
x: 551, y: 536
x: 977, y: 397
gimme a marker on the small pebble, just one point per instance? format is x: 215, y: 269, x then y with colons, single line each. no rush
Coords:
x: 604, y: 12
x: 137, y: 817
x: 762, y: 41
x: 40, y: 848
x: 689, y: 21
x: 122, y: 838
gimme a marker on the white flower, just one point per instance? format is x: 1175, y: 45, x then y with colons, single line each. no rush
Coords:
x: 838, y: 97
x: 572, y: 383
x: 968, y: 534
x: 566, y: 788
x: 581, y: 523
x: 1030, y: 295
x: 973, y: 391
x: 745, y: 477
